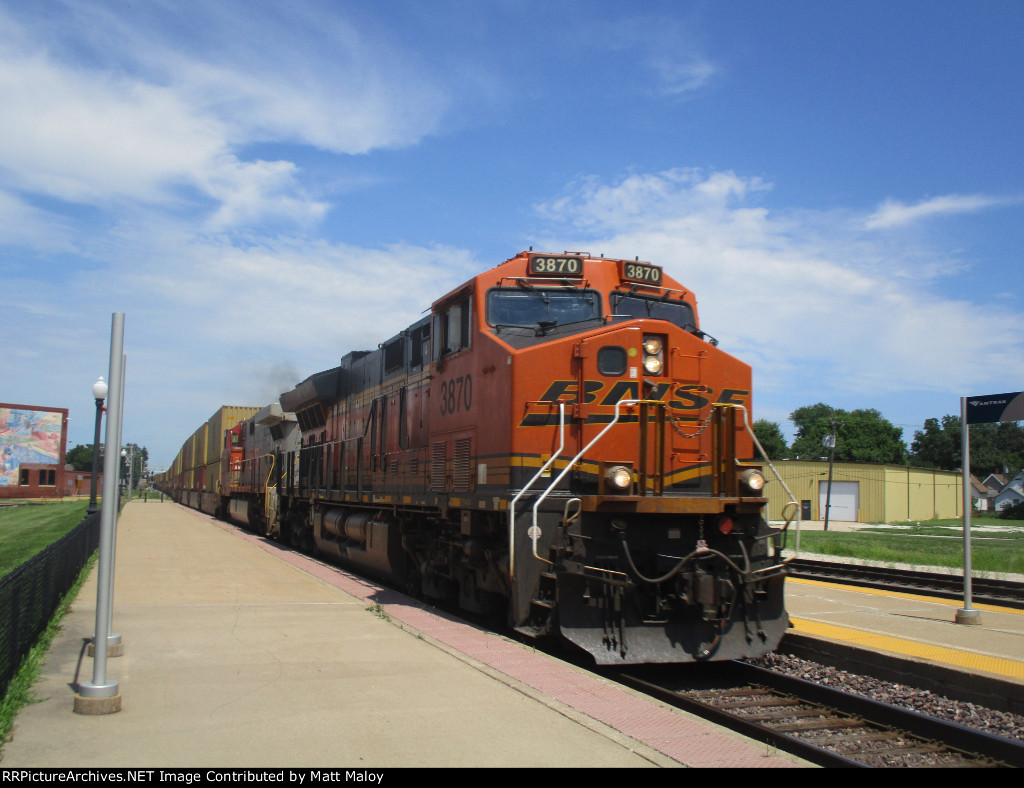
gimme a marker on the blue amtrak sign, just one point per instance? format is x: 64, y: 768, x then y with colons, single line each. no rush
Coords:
x: 996, y: 407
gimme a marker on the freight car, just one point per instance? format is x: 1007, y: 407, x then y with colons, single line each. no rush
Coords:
x: 558, y: 443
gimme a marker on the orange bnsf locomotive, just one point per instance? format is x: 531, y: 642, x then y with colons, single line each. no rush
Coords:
x: 557, y: 442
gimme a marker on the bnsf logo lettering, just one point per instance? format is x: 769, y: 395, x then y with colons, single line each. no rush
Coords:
x: 568, y: 391
x: 690, y: 397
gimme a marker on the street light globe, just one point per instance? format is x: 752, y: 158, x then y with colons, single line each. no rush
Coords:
x: 124, y: 452
x: 99, y: 389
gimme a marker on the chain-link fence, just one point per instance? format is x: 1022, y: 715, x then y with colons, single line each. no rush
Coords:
x: 30, y: 594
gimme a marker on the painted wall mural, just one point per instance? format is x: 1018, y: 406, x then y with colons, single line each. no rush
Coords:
x: 32, y: 436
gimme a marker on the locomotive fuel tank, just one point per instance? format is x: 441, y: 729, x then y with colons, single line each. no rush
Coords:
x: 370, y: 540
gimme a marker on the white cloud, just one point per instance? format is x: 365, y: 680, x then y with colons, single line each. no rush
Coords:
x: 666, y: 49
x: 651, y: 199
x: 682, y: 77
x: 166, y: 116
x: 209, y: 323
x: 251, y: 191
x: 87, y: 137
x: 160, y: 147
x: 22, y: 224
x: 808, y: 302
x: 892, y: 213
x: 366, y: 99
x: 304, y: 72
x: 303, y: 304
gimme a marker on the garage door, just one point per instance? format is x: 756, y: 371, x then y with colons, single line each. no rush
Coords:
x: 845, y: 501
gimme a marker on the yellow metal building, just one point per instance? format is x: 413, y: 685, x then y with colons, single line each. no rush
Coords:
x: 865, y: 493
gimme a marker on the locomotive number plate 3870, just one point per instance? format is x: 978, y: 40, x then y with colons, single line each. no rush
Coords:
x: 556, y: 266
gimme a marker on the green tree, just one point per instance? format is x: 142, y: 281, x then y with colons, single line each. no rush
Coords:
x: 1010, y: 445
x: 806, y: 419
x: 771, y: 438
x: 868, y: 437
x: 79, y: 458
x: 862, y: 435
x: 938, y: 444
x: 995, y: 448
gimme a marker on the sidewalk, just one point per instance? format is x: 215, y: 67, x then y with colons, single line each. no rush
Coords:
x: 838, y: 526
x: 237, y: 653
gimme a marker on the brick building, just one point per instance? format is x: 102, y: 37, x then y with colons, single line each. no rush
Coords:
x: 33, y: 442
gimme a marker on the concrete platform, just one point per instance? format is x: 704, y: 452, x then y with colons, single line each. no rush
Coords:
x: 912, y: 626
x: 240, y: 654
x: 986, y: 657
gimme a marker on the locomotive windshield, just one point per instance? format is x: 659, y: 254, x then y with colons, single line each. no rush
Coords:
x: 678, y: 313
x: 539, y: 307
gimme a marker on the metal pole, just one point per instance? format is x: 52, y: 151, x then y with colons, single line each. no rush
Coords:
x: 828, y: 489
x: 101, y: 696
x: 96, y: 445
x: 967, y: 614
x: 115, y: 648
x: 120, y: 425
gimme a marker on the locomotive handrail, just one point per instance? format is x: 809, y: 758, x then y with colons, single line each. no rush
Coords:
x: 635, y: 285
x: 524, y: 281
x: 267, y: 487
x: 792, y: 499
x: 535, y: 530
x: 527, y: 486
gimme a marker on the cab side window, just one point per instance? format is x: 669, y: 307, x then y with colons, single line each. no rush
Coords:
x: 452, y: 327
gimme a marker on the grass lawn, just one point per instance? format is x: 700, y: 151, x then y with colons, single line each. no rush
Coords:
x: 996, y: 545
x: 27, y: 529
x: 19, y: 691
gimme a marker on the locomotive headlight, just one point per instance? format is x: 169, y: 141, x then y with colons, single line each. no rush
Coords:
x: 753, y: 479
x: 619, y: 477
x: 653, y: 355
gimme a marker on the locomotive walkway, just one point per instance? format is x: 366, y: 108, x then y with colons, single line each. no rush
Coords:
x: 240, y: 654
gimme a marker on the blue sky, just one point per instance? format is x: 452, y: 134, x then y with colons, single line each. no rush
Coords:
x: 262, y: 186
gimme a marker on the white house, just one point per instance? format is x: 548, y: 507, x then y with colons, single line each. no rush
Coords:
x: 1011, y: 494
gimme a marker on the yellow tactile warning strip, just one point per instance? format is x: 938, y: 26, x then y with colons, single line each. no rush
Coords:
x: 949, y: 656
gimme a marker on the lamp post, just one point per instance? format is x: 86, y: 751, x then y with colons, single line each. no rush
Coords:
x: 128, y: 454
x: 99, y: 393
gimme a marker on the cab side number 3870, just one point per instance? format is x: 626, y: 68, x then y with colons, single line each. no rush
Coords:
x: 456, y: 394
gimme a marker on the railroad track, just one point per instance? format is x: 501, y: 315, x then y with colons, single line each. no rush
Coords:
x: 1007, y: 593
x: 826, y: 726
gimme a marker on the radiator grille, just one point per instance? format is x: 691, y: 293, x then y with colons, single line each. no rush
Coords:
x: 462, y: 479
x: 437, y: 454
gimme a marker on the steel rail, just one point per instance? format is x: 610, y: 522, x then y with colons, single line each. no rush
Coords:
x: 993, y: 591
x: 840, y: 709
